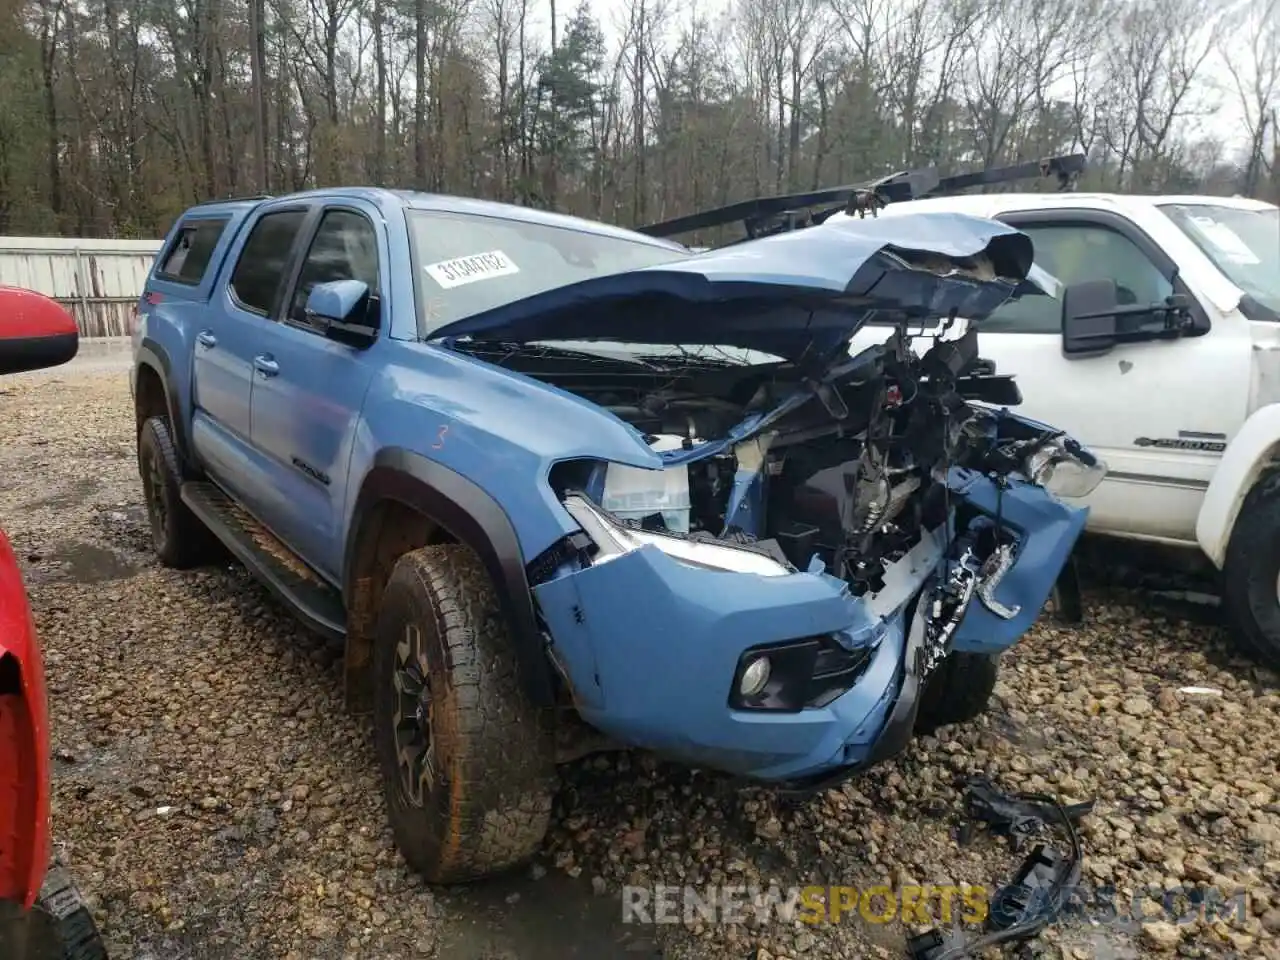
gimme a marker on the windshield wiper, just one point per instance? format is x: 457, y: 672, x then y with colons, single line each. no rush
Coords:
x: 509, y: 348
x: 685, y: 360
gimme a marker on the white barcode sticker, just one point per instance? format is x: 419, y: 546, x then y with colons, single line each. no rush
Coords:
x: 1227, y: 241
x: 477, y: 266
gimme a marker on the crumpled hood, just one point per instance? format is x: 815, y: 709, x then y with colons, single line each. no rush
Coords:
x: 789, y: 294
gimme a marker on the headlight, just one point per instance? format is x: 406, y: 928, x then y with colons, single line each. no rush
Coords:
x: 1065, y: 469
x: 614, y: 540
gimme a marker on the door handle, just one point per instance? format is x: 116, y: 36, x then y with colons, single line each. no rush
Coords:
x: 206, y: 339
x: 266, y: 366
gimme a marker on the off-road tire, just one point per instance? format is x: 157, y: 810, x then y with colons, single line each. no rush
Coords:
x: 60, y: 927
x: 62, y: 902
x: 180, y: 540
x: 958, y: 690
x: 1249, y: 575
x: 1067, y: 603
x: 488, y: 805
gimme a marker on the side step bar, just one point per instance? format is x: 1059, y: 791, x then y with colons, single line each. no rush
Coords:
x: 311, y: 598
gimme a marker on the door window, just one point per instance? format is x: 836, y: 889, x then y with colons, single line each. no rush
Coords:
x: 188, y: 258
x: 257, y: 279
x: 345, y: 248
x: 1075, y: 253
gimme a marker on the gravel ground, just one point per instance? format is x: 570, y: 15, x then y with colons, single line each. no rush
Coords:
x: 213, y: 799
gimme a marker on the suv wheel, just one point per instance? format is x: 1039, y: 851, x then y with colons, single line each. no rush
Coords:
x: 958, y: 690
x: 180, y: 539
x: 467, y: 762
x: 1251, y: 574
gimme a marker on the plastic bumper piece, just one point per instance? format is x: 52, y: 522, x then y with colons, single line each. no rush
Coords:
x: 651, y: 645
x: 1046, y: 530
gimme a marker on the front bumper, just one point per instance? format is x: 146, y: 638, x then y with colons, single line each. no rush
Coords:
x: 649, y: 647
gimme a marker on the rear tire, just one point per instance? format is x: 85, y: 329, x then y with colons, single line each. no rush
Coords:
x: 180, y: 540
x: 1251, y: 574
x: 958, y: 690
x: 467, y: 762
x: 1068, y: 606
x: 61, y: 901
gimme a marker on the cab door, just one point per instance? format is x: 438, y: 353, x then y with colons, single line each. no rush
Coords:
x: 239, y: 312
x: 1159, y: 412
x: 308, y: 390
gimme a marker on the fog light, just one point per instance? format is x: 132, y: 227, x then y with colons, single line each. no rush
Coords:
x: 754, y: 677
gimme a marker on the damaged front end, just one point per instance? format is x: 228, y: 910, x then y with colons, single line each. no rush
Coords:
x: 815, y: 532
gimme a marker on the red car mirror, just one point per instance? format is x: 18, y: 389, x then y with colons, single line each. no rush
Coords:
x: 35, y: 331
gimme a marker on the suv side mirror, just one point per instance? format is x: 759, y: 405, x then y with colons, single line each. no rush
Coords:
x: 1089, y: 312
x: 345, y: 311
x: 35, y: 331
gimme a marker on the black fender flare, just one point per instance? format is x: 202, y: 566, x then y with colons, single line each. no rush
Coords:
x: 473, y: 518
x: 152, y: 354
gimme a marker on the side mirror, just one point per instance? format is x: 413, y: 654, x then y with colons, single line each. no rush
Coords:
x: 1094, y: 320
x: 35, y: 332
x: 1089, y: 313
x: 345, y: 311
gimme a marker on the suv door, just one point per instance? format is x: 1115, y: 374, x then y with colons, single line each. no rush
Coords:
x: 1159, y: 411
x: 238, y: 312
x: 308, y: 391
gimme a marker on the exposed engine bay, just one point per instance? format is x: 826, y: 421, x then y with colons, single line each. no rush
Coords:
x: 844, y: 462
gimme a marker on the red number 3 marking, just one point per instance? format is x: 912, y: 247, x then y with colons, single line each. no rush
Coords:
x: 440, y: 438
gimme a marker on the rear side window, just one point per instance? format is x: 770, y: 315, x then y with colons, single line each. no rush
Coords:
x: 257, y: 280
x: 188, y: 256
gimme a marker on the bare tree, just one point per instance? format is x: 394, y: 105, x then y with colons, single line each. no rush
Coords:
x: 118, y: 113
x: 1255, y: 74
x: 258, y: 59
x: 1152, y: 64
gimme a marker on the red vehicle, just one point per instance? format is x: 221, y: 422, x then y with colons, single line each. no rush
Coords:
x: 41, y: 914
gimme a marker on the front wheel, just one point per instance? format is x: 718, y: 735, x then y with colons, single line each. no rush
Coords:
x: 1251, y: 574
x: 958, y: 690
x: 467, y: 762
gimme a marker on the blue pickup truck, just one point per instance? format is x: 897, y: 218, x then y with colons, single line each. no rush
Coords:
x: 558, y: 485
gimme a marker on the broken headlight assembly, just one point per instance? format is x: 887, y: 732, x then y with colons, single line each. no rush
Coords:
x: 1065, y: 468
x: 613, y: 539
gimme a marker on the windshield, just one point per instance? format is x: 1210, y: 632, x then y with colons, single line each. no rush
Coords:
x: 1243, y: 243
x: 469, y: 263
